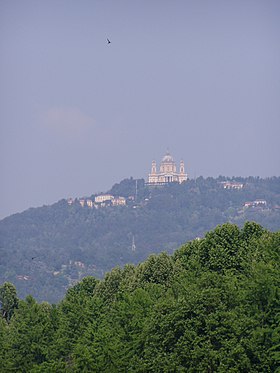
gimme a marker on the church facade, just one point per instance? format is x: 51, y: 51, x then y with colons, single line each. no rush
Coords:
x: 167, y: 172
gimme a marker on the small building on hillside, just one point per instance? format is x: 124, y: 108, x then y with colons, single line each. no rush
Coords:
x: 119, y: 201
x: 70, y: 201
x: 232, y: 185
x: 257, y: 203
x: 103, y: 198
x: 89, y: 203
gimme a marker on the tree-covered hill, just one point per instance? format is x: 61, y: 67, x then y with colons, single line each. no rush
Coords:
x: 45, y: 250
x: 211, y: 306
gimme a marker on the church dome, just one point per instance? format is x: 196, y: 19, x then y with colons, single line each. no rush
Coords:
x: 167, y: 158
x: 167, y: 172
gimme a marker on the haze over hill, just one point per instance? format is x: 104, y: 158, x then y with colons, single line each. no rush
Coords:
x: 77, y: 114
x: 45, y: 250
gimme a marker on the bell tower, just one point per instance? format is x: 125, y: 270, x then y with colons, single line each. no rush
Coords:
x: 153, y: 177
x: 182, y: 175
x: 154, y: 167
x: 182, y: 167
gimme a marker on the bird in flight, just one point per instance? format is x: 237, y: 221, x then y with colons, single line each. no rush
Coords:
x: 108, y: 41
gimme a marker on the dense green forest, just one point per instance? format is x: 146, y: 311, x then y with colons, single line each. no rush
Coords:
x: 211, y: 306
x: 45, y: 250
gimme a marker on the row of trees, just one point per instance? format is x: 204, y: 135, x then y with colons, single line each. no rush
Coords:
x: 213, y: 306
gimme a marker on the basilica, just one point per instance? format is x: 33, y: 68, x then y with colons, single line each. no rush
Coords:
x: 167, y: 172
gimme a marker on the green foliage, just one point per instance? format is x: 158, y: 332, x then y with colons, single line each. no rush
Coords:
x: 130, y: 188
x: 251, y: 230
x: 29, y: 335
x: 115, y: 282
x: 8, y: 300
x: 221, y: 249
x: 213, y: 306
x: 157, y: 269
x: 84, y: 288
x: 3, y: 334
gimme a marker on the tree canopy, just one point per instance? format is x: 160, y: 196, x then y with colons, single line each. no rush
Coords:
x: 211, y: 306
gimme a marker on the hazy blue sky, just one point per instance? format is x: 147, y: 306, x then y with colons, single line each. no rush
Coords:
x: 201, y: 78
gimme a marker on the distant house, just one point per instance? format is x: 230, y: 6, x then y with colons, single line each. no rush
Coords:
x: 107, y: 199
x: 89, y: 203
x: 103, y: 198
x: 256, y: 203
x: 70, y: 201
x: 82, y: 202
x: 248, y: 204
x: 23, y: 277
x: 79, y: 264
x: 232, y: 185
x: 119, y: 201
x: 260, y: 202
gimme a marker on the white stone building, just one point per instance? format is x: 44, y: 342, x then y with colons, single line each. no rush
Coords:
x: 167, y: 172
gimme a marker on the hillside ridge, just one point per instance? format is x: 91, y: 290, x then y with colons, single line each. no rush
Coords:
x: 45, y: 250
